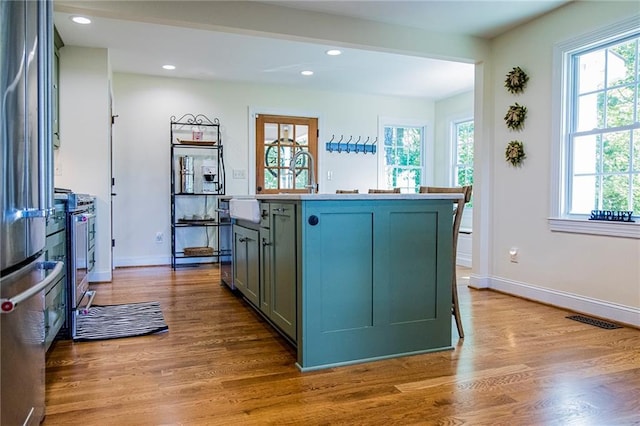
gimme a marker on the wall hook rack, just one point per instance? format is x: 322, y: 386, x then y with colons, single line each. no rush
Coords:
x: 351, y: 147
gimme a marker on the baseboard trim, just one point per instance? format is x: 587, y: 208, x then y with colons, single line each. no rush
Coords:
x: 597, y: 308
x: 100, y: 276
x: 124, y: 262
x: 463, y: 259
x: 478, y: 282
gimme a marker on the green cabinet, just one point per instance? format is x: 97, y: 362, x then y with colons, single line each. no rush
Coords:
x: 246, y: 263
x: 283, y: 267
x: 265, y: 270
x: 266, y: 264
x: 376, y: 280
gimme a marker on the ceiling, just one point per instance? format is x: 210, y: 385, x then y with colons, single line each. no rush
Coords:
x: 141, y: 47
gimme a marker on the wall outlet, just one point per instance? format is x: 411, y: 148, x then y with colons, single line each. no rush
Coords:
x: 159, y: 237
x: 329, y: 175
x: 514, y: 254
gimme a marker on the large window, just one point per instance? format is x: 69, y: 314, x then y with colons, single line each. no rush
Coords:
x: 403, y: 148
x: 604, y: 128
x: 599, y: 151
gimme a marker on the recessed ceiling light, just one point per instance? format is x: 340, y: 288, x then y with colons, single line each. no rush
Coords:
x: 169, y: 67
x: 307, y: 73
x: 334, y: 52
x: 81, y: 20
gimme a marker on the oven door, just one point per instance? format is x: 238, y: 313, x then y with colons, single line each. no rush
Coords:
x: 80, y: 296
x: 80, y: 238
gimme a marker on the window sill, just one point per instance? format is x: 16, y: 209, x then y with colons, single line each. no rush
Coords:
x: 583, y: 226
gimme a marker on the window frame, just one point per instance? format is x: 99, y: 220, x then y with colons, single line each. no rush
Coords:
x: 563, y: 78
x: 426, y: 146
x: 467, y: 216
x: 454, y: 148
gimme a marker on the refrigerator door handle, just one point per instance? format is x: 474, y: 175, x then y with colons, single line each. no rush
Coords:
x: 8, y: 305
x: 45, y: 127
x: 29, y: 213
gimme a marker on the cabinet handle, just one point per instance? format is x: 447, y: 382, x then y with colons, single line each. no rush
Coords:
x: 265, y: 243
x: 242, y: 240
x: 280, y: 210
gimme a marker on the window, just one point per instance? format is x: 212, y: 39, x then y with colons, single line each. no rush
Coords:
x: 603, y: 141
x: 463, y: 154
x: 403, y: 147
x: 599, y: 132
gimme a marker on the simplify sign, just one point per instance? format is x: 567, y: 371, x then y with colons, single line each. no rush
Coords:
x: 612, y: 215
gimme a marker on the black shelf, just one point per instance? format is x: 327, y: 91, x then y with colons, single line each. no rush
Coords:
x: 198, y: 137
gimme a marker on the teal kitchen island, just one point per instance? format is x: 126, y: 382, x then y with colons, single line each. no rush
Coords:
x: 349, y: 278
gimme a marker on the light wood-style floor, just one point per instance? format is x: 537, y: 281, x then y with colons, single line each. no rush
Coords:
x: 521, y: 363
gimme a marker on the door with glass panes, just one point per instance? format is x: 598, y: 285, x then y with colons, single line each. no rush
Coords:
x: 278, y: 138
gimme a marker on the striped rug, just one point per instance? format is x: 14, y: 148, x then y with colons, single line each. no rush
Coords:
x: 116, y: 321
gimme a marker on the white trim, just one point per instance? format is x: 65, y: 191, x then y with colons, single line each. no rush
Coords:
x: 581, y: 226
x: 428, y: 151
x: 122, y: 262
x: 569, y: 301
x: 453, y: 143
x: 463, y: 259
x: 479, y: 282
x: 100, y: 276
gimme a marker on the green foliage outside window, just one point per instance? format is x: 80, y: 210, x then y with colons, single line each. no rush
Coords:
x: 606, y: 154
x: 403, y: 157
x: 464, y: 155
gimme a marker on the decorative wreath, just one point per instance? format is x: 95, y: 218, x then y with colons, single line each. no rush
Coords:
x: 515, y: 116
x: 516, y: 80
x: 514, y: 153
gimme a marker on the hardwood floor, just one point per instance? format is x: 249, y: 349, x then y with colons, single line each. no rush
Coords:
x: 521, y: 363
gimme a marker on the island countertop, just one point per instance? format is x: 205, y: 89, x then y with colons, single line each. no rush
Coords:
x: 340, y: 197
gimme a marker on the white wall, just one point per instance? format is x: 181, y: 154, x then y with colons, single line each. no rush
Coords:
x: 82, y: 161
x: 141, y: 144
x: 596, y: 274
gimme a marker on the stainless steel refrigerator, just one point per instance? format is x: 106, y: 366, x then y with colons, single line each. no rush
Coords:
x: 25, y: 202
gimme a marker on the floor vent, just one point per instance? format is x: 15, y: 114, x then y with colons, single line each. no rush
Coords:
x: 593, y: 321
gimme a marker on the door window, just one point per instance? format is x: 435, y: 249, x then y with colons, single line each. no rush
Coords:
x: 278, y: 139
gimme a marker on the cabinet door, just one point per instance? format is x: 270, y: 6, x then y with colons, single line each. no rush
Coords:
x: 246, y: 262
x: 284, y: 266
x: 265, y: 271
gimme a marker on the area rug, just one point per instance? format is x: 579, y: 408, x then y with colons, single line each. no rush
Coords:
x: 117, y: 321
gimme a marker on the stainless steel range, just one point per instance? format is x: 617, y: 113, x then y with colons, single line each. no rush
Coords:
x: 81, y: 255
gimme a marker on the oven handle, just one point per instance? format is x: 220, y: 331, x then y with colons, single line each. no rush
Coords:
x: 8, y: 305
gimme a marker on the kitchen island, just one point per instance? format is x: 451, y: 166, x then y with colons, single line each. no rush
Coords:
x: 350, y: 278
